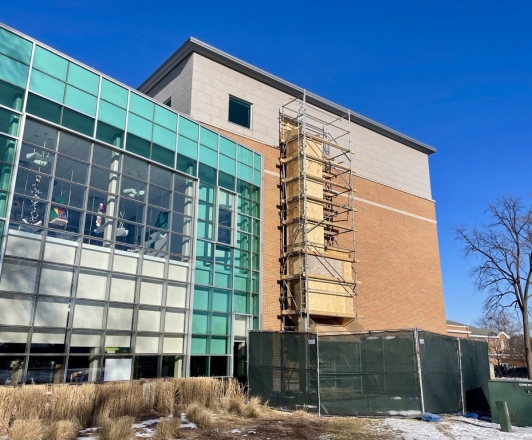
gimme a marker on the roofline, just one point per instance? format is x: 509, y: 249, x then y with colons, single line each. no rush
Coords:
x: 193, y: 45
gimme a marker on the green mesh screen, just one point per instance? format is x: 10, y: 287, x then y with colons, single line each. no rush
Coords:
x: 283, y: 368
x: 475, y: 374
x: 368, y: 374
x: 440, y: 371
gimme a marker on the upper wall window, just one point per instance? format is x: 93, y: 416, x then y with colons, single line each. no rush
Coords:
x: 168, y: 102
x: 239, y: 112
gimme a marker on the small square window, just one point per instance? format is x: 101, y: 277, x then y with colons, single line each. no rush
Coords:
x: 239, y: 112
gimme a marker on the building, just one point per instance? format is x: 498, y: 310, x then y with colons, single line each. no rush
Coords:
x: 499, y: 348
x: 144, y: 236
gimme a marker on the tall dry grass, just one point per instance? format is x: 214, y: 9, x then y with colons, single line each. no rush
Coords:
x: 62, y: 430
x: 199, y: 415
x: 117, y: 429
x: 168, y: 429
x: 27, y: 430
x: 92, y: 405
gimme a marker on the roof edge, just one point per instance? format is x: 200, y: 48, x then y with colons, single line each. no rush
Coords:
x: 194, y: 45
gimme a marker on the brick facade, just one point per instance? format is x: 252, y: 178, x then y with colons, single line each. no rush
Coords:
x: 396, y: 243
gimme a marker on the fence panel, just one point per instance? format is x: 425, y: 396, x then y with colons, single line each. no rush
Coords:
x: 368, y: 374
x: 475, y: 374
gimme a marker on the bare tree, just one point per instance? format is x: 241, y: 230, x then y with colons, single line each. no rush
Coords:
x: 503, y: 250
x: 503, y: 320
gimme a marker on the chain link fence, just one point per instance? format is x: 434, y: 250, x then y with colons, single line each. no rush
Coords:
x: 369, y: 374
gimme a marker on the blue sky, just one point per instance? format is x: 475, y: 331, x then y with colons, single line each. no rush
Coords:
x: 455, y: 75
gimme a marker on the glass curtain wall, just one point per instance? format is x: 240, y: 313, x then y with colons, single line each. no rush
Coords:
x: 102, y: 195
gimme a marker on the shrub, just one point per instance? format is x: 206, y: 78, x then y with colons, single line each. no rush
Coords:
x: 117, y: 429
x: 168, y: 429
x: 62, y: 430
x: 199, y: 415
x: 254, y: 408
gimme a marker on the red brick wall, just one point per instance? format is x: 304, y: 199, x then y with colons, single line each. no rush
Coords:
x: 399, y: 267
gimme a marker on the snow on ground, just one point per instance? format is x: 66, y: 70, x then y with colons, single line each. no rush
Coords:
x: 454, y: 427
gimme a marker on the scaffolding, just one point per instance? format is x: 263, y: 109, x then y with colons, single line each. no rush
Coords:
x: 318, y: 261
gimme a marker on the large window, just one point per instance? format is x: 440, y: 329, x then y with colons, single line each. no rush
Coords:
x: 239, y: 112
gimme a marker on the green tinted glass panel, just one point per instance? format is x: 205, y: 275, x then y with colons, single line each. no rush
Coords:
x: 187, y: 147
x: 43, y: 108
x: 9, y: 123
x: 256, y: 227
x: 83, y: 79
x: 208, y: 156
x: 220, y: 325
x: 257, y: 161
x: 138, y: 145
x: 162, y: 155
x: 200, y: 322
x: 207, y: 174
x: 139, y: 126
x: 112, y: 114
x: 5, y: 176
x: 201, y: 298
x: 15, y: 46
x: 80, y: 100
x: 205, y: 230
x: 186, y: 165
x: 113, y: 93
x: 209, y: 139
x: 205, y: 211
x: 204, y: 249
x: 165, y: 118
x: 223, y: 276
x: 245, y: 156
x: 225, y: 180
x: 256, y: 262
x: 255, y: 209
x: 244, y: 172
x: 242, y: 258
x: 110, y: 134
x: 244, y: 223
x: 7, y: 149
x: 141, y: 106
x: 242, y: 279
x: 13, y: 72
x: 218, y: 345
x: 255, y: 323
x: 227, y: 148
x: 78, y: 122
x: 256, y: 177
x: 188, y: 129
x: 228, y: 165
x: 221, y: 300
x: 199, y: 344
x: 206, y: 192
x: 255, y: 282
x: 255, y: 305
x: 164, y: 137
x: 47, y: 86
x: 50, y: 63
x: 3, y: 205
x: 241, y: 302
x: 203, y: 271
x: 11, y: 96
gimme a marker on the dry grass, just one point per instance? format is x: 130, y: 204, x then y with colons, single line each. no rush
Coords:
x: 254, y: 408
x: 168, y: 429
x: 62, y: 430
x: 117, y: 429
x: 199, y: 415
x: 121, y: 399
x: 73, y: 403
x: 27, y: 430
x: 235, y: 405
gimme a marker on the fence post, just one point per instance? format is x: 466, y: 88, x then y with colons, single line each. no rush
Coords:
x: 461, y: 375
x: 318, y: 368
x: 418, y: 358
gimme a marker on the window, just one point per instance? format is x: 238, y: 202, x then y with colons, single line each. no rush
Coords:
x: 168, y: 102
x: 239, y: 112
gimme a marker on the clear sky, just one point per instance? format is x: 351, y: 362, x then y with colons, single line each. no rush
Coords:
x: 455, y: 75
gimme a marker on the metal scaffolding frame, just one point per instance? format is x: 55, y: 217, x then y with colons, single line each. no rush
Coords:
x: 323, y: 140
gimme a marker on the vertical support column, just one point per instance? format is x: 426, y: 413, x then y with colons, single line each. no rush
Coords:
x: 462, y: 397
x: 418, y: 362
